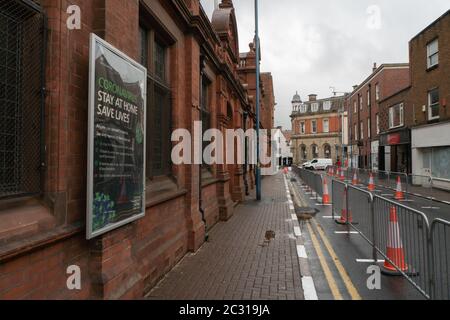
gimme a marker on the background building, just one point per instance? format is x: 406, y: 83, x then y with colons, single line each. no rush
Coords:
x: 317, y: 128
x: 430, y: 95
x: 364, y: 117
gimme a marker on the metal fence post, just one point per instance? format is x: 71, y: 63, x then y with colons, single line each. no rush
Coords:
x: 374, y: 238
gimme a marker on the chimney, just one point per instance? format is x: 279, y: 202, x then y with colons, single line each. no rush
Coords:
x: 312, y: 97
x: 374, y: 67
x: 355, y: 87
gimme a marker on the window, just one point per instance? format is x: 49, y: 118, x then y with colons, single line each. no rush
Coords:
x: 205, y: 111
x: 356, y: 132
x: 433, y: 53
x: 360, y: 103
x: 326, y: 125
x: 315, y: 151
x: 303, y: 108
x: 303, y: 152
x: 21, y: 99
x: 327, y: 151
x: 314, y: 126
x: 368, y: 98
x: 154, y: 57
x: 314, y: 107
x: 369, y: 134
x: 302, y: 127
x: 327, y: 106
x: 378, y: 123
x: 362, y: 130
x: 377, y: 92
x: 355, y: 107
x: 433, y: 104
x: 396, y: 116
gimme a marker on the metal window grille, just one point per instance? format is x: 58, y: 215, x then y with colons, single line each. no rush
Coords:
x: 22, y: 58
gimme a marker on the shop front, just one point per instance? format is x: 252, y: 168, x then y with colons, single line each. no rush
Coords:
x: 397, y: 150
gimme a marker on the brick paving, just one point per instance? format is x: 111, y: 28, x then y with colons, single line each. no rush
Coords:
x: 233, y: 266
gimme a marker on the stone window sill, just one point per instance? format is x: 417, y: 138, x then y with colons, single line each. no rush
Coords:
x: 22, y: 218
x: 162, y: 189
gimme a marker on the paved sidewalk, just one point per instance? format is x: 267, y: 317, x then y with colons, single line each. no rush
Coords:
x: 233, y: 265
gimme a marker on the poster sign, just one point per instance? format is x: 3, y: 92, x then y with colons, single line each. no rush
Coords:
x: 116, y: 139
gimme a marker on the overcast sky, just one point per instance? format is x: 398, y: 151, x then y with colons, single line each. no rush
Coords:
x: 311, y: 46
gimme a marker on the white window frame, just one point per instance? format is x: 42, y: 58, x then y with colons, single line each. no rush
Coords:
x: 377, y: 92
x: 391, y: 116
x: 369, y: 134
x: 355, y: 106
x: 327, y: 105
x: 430, y: 113
x: 356, y: 132
x: 312, y: 126
x: 303, y: 108
x: 368, y: 98
x: 314, y: 107
x: 302, y: 127
x: 431, y: 54
x: 361, y: 103
x: 327, y: 121
x: 362, y: 130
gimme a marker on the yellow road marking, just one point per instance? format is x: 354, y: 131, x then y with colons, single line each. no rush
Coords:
x: 345, y: 277
x: 326, y: 269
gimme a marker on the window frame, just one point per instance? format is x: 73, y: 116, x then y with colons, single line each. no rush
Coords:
x: 430, y: 55
x: 156, y: 85
x: 302, y: 127
x: 315, y: 107
x: 430, y: 110
x: 401, y: 111
x: 377, y: 92
x: 328, y: 125
x: 312, y: 126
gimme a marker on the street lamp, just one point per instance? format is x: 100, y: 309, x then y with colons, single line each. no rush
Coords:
x: 258, y: 166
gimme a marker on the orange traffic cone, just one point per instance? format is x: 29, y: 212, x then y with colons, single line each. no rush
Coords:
x: 326, y: 195
x: 394, y: 247
x: 398, y: 192
x: 371, y: 185
x: 342, y: 176
x: 337, y: 172
x: 355, y: 178
x: 346, y: 215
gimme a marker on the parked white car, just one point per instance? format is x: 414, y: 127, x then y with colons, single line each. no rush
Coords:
x: 318, y: 164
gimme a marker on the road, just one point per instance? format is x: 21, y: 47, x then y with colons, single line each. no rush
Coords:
x: 432, y: 209
x: 340, y: 260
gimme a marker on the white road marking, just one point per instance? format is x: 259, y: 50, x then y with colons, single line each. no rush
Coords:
x: 432, y: 208
x: 346, y: 232
x: 291, y: 207
x: 323, y: 205
x: 293, y: 216
x: 327, y: 217
x: 368, y: 261
x: 309, y: 290
x: 301, y: 252
x: 290, y: 202
x: 297, y: 232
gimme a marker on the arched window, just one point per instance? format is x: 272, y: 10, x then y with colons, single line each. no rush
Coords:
x: 327, y: 151
x: 303, y: 153
x: 315, y: 151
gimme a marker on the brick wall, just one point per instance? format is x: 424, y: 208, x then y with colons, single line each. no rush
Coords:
x: 423, y: 79
x: 127, y: 262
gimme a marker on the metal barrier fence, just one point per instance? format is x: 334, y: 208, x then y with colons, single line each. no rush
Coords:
x: 403, y: 236
x: 440, y: 237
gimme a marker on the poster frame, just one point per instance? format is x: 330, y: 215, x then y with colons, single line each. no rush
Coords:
x: 93, y: 41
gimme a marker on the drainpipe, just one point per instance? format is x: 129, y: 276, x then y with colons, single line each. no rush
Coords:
x: 246, y: 155
x: 200, y: 197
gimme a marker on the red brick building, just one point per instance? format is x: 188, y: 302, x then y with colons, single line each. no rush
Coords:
x: 364, y: 119
x: 429, y: 97
x: 317, y: 128
x: 192, y: 75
